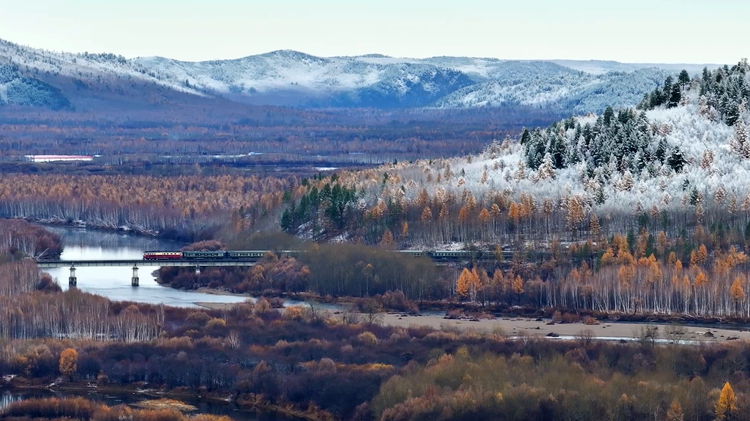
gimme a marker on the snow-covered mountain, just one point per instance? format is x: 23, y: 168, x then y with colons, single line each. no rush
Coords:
x: 599, y: 67
x: 296, y: 79
x: 553, y: 86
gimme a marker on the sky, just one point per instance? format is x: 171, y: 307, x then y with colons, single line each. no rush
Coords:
x: 633, y: 31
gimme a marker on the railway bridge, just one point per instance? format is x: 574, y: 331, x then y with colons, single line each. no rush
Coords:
x: 136, y: 263
x: 250, y: 258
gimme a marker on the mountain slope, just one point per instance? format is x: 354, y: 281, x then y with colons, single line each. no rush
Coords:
x: 292, y: 78
x: 312, y: 81
x: 691, y: 155
x: 16, y: 89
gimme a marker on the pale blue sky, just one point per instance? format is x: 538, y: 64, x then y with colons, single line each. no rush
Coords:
x: 667, y: 31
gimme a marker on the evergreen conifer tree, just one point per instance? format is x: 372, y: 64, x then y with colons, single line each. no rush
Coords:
x: 683, y: 79
x: 676, y: 160
x: 674, y: 97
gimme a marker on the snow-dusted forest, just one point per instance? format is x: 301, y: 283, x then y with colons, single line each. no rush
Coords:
x: 679, y: 159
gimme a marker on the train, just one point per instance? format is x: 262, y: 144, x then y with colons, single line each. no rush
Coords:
x: 258, y: 254
x: 211, y: 255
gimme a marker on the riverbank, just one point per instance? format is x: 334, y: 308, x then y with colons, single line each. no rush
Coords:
x: 542, y: 327
x: 545, y: 328
x: 58, y: 222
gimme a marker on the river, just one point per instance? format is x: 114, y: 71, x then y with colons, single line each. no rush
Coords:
x: 114, y: 282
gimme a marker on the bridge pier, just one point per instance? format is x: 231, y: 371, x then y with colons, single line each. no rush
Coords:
x: 134, y: 281
x: 197, y: 270
x: 72, y: 280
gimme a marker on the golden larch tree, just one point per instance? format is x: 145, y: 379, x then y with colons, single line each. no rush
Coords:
x: 737, y: 292
x: 463, y: 214
x: 701, y: 279
x: 478, y: 279
x: 594, y: 227
x: 726, y: 406
x: 387, y: 240
x: 641, y: 243
x: 68, y: 362
x: 654, y: 275
x: 426, y: 217
x: 518, y: 286
x: 484, y: 216
x: 463, y: 285
x: 625, y: 275
x: 699, y: 257
x: 498, y: 253
x: 495, y: 210
x: 675, y: 413
x: 498, y: 284
x: 423, y: 199
x: 575, y: 214
x: 443, y: 214
x: 661, y: 243
x: 514, y: 213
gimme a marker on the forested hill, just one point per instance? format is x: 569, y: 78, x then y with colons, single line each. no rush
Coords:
x: 291, y: 78
x: 680, y: 158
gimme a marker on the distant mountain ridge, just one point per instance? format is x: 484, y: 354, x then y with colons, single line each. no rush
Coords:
x: 291, y: 78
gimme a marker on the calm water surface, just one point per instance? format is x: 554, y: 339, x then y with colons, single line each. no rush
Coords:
x: 114, y: 282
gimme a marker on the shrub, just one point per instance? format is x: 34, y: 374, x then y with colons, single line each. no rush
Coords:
x: 198, y: 318
x: 588, y: 320
x: 571, y: 318
x: 215, y: 323
x: 294, y: 313
x: 367, y: 338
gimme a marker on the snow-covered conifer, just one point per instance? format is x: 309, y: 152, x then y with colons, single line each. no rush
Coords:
x: 547, y: 169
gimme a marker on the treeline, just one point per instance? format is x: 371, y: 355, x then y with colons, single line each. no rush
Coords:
x: 74, y: 314
x: 20, y: 239
x: 703, y: 276
x: 184, y: 207
x: 21, y: 277
x: 86, y: 410
x: 430, y: 219
x: 686, y: 278
x: 336, y: 269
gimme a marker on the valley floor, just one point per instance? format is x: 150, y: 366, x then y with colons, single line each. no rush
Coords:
x: 520, y: 326
x: 531, y: 327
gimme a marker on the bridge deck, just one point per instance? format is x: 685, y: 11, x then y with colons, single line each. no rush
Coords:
x: 141, y: 262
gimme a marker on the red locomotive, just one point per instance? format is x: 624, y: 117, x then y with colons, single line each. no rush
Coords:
x: 162, y: 255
